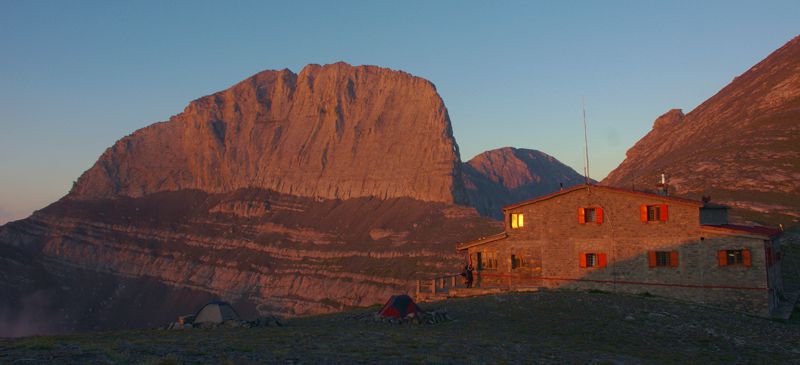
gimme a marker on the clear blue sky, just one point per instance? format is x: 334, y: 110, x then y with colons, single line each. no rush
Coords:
x: 75, y: 76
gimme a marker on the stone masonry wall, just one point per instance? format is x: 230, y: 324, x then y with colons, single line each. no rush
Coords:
x: 552, y: 241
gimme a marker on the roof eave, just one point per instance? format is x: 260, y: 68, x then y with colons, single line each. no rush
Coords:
x: 607, y: 188
x: 478, y: 242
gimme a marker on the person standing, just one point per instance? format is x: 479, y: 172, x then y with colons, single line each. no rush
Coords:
x: 469, y: 271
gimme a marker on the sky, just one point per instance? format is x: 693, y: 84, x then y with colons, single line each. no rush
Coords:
x: 75, y: 76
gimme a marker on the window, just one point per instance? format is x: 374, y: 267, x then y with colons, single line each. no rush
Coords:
x: 593, y: 259
x: 517, y: 220
x: 489, y: 261
x: 663, y: 258
x: 739, y: 257
x: 518, y: 262
x: 654, y: 213
x: 734, y: 257
x: 590, y: 215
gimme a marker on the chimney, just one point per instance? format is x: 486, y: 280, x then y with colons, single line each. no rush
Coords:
x: 661, y: 188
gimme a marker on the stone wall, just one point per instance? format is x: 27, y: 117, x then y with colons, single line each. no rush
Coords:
x: 552, y: 241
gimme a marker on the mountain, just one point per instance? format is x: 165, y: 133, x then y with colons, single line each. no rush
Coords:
x: 334, y: 132
x: 504, y: 176
x: 741, y: 146
x: 288, y: 194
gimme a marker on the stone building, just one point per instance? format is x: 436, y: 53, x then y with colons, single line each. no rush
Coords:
x: 598, y: 237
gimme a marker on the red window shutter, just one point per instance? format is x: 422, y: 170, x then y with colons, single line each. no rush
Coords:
x: 599, y: 215
x: 583, y: 259
x: 722, y: 257
x: 673, y: 259
x: 601, y: 258
x: 651, y: 257
x: 746, y: 258
x: 664, y: 212
x: 581, y: 216
x: 643, y: 213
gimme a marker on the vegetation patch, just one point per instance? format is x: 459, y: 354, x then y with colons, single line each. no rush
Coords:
x: 550, y: 327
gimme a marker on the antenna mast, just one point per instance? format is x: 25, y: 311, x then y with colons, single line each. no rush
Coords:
x: 585, y: 143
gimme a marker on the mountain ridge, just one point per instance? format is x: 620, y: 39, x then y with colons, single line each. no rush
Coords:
x: 739, y: 146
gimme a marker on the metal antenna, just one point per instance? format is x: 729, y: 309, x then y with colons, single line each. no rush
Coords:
x: 585, y: 143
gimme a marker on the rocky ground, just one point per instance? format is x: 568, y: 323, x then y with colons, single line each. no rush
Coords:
x: 544, y: 327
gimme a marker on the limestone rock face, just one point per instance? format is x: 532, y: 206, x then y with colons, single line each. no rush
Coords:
x: 741, y: 146
x: 334, y: 131
x: 509, y: 175
x: 141, y: 262
x: 285, y: 194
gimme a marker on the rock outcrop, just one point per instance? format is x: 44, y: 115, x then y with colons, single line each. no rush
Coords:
x: 334, y: 131
x: 741, y: 146
x: 140, y: 262
x: 285, y: 194
x: 509, y: 175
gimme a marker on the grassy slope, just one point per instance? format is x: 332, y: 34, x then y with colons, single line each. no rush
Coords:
x: 544, y: 327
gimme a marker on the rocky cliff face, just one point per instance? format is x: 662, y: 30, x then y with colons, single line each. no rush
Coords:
x: 740, y: 146
x: 333, y: 131
x: 509, y: 175
x: 139, y: 262
x: 285, y: 194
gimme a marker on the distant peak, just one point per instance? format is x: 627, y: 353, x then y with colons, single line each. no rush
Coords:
x: 510, y: 151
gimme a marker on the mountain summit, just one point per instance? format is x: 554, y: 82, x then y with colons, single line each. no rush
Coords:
x: 334, y: 131
x: 508, y: 175
x: 741, y: 146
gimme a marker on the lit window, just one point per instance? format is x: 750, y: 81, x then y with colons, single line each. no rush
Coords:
x: 517, y: 220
